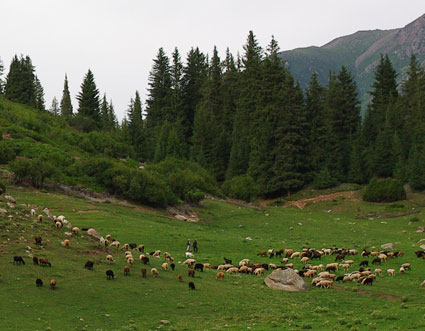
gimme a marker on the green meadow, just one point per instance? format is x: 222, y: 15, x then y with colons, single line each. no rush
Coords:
x: 86, y: 300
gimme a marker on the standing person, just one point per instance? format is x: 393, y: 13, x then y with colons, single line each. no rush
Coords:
x: 195, y: 246
x: 188, y: 246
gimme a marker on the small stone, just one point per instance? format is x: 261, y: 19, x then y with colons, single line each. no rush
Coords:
x: 10, y: 198
x: 248, y: 238
x: 300, y: 224
x: 388, y: 246
x: 291, y: 228
x: 164, y: 321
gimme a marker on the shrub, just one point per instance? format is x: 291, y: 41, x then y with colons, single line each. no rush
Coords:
x: 384, y: 190
x: 2, y: 187
x: 324, y: 180
x: 6, y: 153
x: 21, y: 168
x: 241, y: 187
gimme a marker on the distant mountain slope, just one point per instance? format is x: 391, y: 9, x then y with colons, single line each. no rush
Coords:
x: 360, y: 53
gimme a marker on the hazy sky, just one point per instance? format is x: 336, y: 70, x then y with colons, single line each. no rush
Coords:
x: 119, y: 39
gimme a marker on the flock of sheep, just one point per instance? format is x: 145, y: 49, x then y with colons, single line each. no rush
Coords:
x: 322, y: 275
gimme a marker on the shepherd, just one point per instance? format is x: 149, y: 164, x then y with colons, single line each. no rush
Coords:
x: 188, y: 246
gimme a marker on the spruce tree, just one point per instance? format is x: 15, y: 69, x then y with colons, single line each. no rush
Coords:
x: 135, y: 123
x: 66, y: 104
x: 54, y: 108
x: 38, y: 95
x: 176, y: 86
x: 383, y: 162
x: 416, y: 166
x: 1, y: 78
x: 20, y: 81
x: 246, y: 107
x: 112, y: 118
x: 88, y: 103
x: 400, y: 169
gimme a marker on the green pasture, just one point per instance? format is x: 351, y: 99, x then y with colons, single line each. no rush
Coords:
x: 85, y: 300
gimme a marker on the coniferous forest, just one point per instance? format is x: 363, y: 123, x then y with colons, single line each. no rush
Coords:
x: 246, y: 122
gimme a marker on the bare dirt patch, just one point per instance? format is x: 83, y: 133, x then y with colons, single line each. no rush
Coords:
x: 326, y: 197
x: 369, y: 293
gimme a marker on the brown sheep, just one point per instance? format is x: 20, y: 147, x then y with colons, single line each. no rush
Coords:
x: 38, y: 240
x: 180, y: 277
x: 191, y: 273
x: 53, y: 284
x: 126, y: 270
x: 40, y: 218
x: 220, y: 276
x: 65, y: 243
x: 262, y: 253
x: 144, y: 273
x: 154, y: 272
x: 44, y: 262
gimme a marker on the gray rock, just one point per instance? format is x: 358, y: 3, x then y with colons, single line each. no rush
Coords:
x: 10, y: 198
x: 94, y: 233
x: 285, y: 280
x: 388, y: 246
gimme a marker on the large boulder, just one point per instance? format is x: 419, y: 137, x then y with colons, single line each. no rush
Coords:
x: 388, y: 246
x: 94, y: 233
x: 285, y: 280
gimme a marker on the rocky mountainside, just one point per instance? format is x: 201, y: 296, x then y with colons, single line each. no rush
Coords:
x: 360, y: 53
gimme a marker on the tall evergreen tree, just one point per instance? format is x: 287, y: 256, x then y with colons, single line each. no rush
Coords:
x: 20, y: 81
x: 88, y: 102
x: 1, y: 78
x: 66, y: 104
x: 250, y: 84
x: 176, y: 86
x: 384, y: 162
x: 135, y: 121
x: 38, y: 95
x: 54, y: 108
x: 112, y: 118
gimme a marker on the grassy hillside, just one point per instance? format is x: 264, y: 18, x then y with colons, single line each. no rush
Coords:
x: 85, y: 300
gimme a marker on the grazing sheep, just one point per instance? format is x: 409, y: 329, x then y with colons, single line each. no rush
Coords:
x: 191, y: 286
x: 53, y: 284
x: 391, y: 272
x: 376, y: 261
x: 145, y: 260
x: 38, y: 282
x: 180, y: 277
x: 244, y: 269
x: 115, y: 243
x: 288, y: 252
x: 365, y: 253
x: 340, y: 257
x: 189, y: 262
x: 378, y: 272
x: 332, y: 267
x: 272, y: 266
x: 130, y: 260
x: 154, y: 272
x: 284, y: 260
x: 65, y: 243
x: 233, y: 270
x: 310, y: 273
x: 374, y: 253
x: 89, y: 265
x: 109, y: 274
x: 324, y: 274
x: 35, y: 260
x: 350, y: 262
x: 259, y: 271
x: 406, y: 266
x: 164, y: 266
x: 346, y: 279
x: 305, y: 259
x: 110, y: 258
x: 189, y: 254
x: 315, y: 281
x: 364, y: 263
x: 60, y: 218
x: 383, y: 257
x: 402, y: 270
x: 262, y: 253
x: 345, y: 266
x: 141, y: 248
x: 219, y: 276
x: 207, y: 265
x: 109, y: 238
x: 353, y: 252
x: 44, y: 262
x: 289, y: 265
x: 244, y: 262
x: 325, y: 283
x: 327, y: 251
x: 38, y: 240
x: 227, y: 261
x: 423, y: 283
x: 157, y: 253
x: 168, y: 257
x: 317, y: 267
x: 199, y: 267
x: 172, y: 265
x: 367, y: 281
x: 296, y: 254
x: 40, y: 218
x: 191, y: 273
x: 32, y: 212
x: 144, y: 273
x: 125, y: 247
x: 58, y: 225
x: 75, y: 230
x: 133, y: 246
x: 126, y: 270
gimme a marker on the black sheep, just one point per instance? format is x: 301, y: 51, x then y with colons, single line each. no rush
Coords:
x: 38, y: 282
x: 265, y: 266
x: 35, y: 260
x: 145, y: 260
x: 132, y: 246
x: 376, y: 261
x: 199, y: 266
x: 38, y: 240
x: 109, y: 274
x: 339, y: 279
x: 172, y: 265
x: 367, y: 281
x: 340, y: 257
x: 191, y: 286
x: 18, y: 260
x: 227, y: 261
x: 364, y: 263
x: 89, y: 265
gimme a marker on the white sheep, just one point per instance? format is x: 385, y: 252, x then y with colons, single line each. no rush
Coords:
x: 154, y: 272
x: 125, y: 247
x: 391, y: 272
x: 32, y: 212
x: 189, y: 255
x: 60, y: 218
x: 115, y: 243
x: 259, y: 271
x: 157, y: 253
x: 233, y: 270
x: 378, y: 272
x: 65, y: 243
x: 244, y: 262
x: 75, y: 230
x: 305, y: 259
x: 189, y: 262
x: 423, y: 283
x: 296, y: 254
x: 58, y: 225
x: 164, y: 266
x: 310, y: 273
x: 402, y: 270
x: 109, y: 258
x: 325, y: 283
x: 40, y: 218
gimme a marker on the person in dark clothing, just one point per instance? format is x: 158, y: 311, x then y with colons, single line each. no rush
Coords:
x: 195, y: 246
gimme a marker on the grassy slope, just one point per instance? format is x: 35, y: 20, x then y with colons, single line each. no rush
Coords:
x: 239, y: 301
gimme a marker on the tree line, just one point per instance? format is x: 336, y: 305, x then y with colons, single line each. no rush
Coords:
x: 247, y: 118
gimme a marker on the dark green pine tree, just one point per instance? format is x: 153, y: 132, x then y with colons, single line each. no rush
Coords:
x: 39, y: 95
x: 135, y: 123
x: 317, y: 123
x: 66, y: 104
x: 356, y: 172
x: 20, y: 81
x: 206, y: 129
x: 342, y: 106
x: 383, y: 94
x: 176, y: 86
x: 416, y: 166
x: 246, y: 107
x: 104, y: 116
x: 161, y: 148
x: 112, y: 118
x: 159, y: 102
x: 399, y: 158
x: 88, y: 103
x: 194, y: 75
x: 174, y: 145
x: 383, y: 157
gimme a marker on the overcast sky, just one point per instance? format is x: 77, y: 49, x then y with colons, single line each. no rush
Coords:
x: 119, y: 39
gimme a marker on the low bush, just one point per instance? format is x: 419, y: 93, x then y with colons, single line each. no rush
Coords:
x: 241, y: 187
x: 384, y: 190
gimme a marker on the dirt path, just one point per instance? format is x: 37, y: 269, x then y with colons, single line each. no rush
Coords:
x: 326, y: 197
